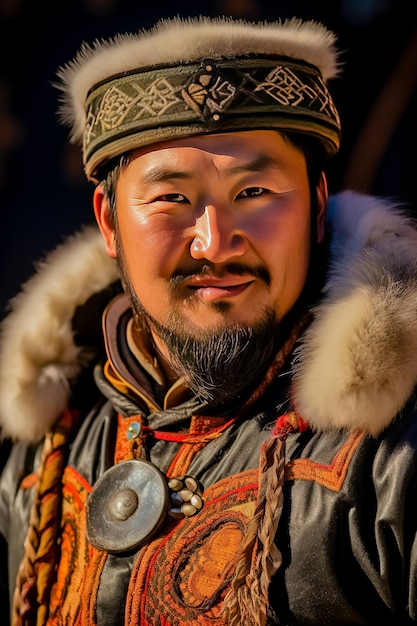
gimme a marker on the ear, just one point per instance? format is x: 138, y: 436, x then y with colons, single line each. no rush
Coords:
x: 104, y: 220
x: 322, y: 199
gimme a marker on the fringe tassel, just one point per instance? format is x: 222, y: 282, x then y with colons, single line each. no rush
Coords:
x: 247, y: 601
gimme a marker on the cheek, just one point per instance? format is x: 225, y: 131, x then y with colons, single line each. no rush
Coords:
x: 298, y: 260
x: 289, y: 259
x: 150, y: 255
x: 286, y: 233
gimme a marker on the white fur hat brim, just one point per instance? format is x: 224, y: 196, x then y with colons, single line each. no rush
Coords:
x: 134, y: 89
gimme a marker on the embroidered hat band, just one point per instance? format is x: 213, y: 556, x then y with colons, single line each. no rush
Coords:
x: 141, y: 108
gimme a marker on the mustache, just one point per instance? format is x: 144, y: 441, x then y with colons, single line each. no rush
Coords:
x: 181, y: 274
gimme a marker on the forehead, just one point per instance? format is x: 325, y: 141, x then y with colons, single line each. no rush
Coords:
x: 244, y: 146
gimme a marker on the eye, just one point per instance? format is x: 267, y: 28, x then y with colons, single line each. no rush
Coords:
x: 252, y: 192
x: 172, y: 197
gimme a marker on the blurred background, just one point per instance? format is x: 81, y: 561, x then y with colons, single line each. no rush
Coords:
x: 43, y: 192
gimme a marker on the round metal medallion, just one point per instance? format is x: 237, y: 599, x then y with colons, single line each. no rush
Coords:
x: 126, y: 506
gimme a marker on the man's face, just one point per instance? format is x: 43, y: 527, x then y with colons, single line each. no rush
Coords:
x: 213, y: 231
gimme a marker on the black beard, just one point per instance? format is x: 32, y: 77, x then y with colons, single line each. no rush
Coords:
x: 219, y: 365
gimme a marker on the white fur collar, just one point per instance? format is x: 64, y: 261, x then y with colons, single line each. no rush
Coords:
x: 355, y: 367
x: 38, y: 355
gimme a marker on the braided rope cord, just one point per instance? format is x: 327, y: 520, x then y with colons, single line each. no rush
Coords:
x: 247, y: 600
x: 36, y: 571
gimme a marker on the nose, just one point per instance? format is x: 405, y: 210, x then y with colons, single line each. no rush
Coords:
x: 215, y: 236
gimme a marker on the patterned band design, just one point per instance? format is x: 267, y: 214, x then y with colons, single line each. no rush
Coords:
x: 149, y: 105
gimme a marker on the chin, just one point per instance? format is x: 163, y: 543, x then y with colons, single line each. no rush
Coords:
x: 221, y: 315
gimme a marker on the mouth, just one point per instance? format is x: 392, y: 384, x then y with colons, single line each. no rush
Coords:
x: 212, y: 289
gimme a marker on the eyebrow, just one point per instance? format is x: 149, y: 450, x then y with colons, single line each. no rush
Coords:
x: 159, y: 174
x: 258, y: 164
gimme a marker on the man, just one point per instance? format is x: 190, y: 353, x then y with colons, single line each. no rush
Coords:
x: 213, y: 410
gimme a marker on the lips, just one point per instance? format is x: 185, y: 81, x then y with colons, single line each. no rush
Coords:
x: 211, y: 289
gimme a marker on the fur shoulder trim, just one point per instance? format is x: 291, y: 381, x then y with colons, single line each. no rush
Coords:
x: 357, y: 366
x: 38, y: 356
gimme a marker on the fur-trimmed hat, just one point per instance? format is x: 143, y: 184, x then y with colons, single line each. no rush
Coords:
x: 197, y: 76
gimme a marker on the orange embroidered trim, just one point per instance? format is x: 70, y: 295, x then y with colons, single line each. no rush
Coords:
x: 183, y: 458
x: 202, y: 425
x: 331, y: 476
x: 184, y: 574
x: 94, y: 568
x: 67, y: 592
